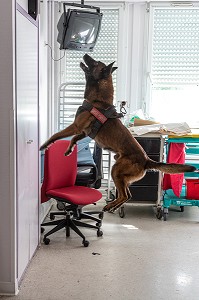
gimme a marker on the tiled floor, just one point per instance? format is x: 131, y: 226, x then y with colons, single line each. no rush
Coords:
x: 138, y: 258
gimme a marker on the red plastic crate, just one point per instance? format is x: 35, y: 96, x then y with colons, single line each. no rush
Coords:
x: 192, y: 189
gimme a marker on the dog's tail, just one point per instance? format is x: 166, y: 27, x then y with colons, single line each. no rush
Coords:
x: 168, y: 168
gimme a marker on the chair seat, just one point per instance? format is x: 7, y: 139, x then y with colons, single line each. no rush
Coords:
x: 79, y: 195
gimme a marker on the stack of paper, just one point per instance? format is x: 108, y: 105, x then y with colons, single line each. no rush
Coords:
x: 169, y: 128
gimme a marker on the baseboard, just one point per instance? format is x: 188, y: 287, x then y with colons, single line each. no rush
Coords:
x: 9, y: 288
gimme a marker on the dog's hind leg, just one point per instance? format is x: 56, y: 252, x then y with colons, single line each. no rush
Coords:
x: 73, y: 142
x: 69, y: 131
x: 124, y: 173
x: 121, y: 184
x: 121, y: 199
x: 121, y: 203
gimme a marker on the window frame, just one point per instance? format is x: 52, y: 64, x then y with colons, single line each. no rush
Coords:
x: 149, y: 38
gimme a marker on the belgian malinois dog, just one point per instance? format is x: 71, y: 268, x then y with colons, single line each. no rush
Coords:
x: 131, y: 160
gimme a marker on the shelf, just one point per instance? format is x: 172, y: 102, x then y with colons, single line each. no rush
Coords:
x: 171, y: 199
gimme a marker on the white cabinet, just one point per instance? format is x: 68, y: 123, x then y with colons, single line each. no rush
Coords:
x: 27, y: 138
x: 19, y: 154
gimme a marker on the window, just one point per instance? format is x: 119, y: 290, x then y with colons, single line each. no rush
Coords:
x: 174, y: 64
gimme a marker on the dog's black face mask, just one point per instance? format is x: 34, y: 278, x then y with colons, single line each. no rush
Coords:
x: 96, y: 70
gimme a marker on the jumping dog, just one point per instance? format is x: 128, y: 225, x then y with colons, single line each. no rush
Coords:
x: 131, y: 161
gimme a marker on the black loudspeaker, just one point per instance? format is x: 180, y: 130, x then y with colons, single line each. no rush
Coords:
x: 33, y: 8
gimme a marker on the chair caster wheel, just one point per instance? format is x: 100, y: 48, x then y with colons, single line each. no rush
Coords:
x: 60, y: 206
x: 85, y: 243
x: 101, y: 215
x: 99, y: 233
x: 121, y: 212
x: 99, y: 224
x: 159, y: 213
x: 46, y: 241
x: 52, y: 217
x: 42, y: 230
x: 165, y: 216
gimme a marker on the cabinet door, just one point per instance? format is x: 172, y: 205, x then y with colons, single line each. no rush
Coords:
x: 150, y: 145
x: 148, y: 188
x: 27, y: 139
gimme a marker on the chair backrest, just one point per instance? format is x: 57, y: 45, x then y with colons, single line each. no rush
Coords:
x: 84, y: 155
x: 59, y: 170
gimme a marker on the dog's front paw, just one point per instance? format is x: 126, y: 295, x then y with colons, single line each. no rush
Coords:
x: 43, y: 147
x: 68, y: 152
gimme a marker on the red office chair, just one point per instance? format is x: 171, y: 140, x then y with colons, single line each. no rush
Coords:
x: 59, y: 183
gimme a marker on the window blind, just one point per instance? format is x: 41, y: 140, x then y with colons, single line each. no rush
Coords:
x: 175, y: 46
x: 105, y: 50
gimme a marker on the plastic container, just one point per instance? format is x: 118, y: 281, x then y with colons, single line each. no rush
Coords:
x: 192, y: 191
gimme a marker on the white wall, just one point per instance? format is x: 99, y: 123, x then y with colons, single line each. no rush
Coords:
x: 43, y: 71
x: 44, y: 87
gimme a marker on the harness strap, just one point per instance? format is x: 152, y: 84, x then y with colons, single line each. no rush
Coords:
x: 98, y: 115
x: 101, y: 115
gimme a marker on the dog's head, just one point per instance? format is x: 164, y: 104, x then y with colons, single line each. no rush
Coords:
x: 96, y: 70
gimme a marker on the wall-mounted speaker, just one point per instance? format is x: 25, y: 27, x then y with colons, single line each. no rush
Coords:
x: 33, y: 8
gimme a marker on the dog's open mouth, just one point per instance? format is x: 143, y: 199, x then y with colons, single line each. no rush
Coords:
x: 92, y: 66
x: 89, y: 61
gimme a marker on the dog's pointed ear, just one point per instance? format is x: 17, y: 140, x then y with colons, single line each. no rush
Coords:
x: 83, y: 67
x: 113, y: 69
x: 108, y: 70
